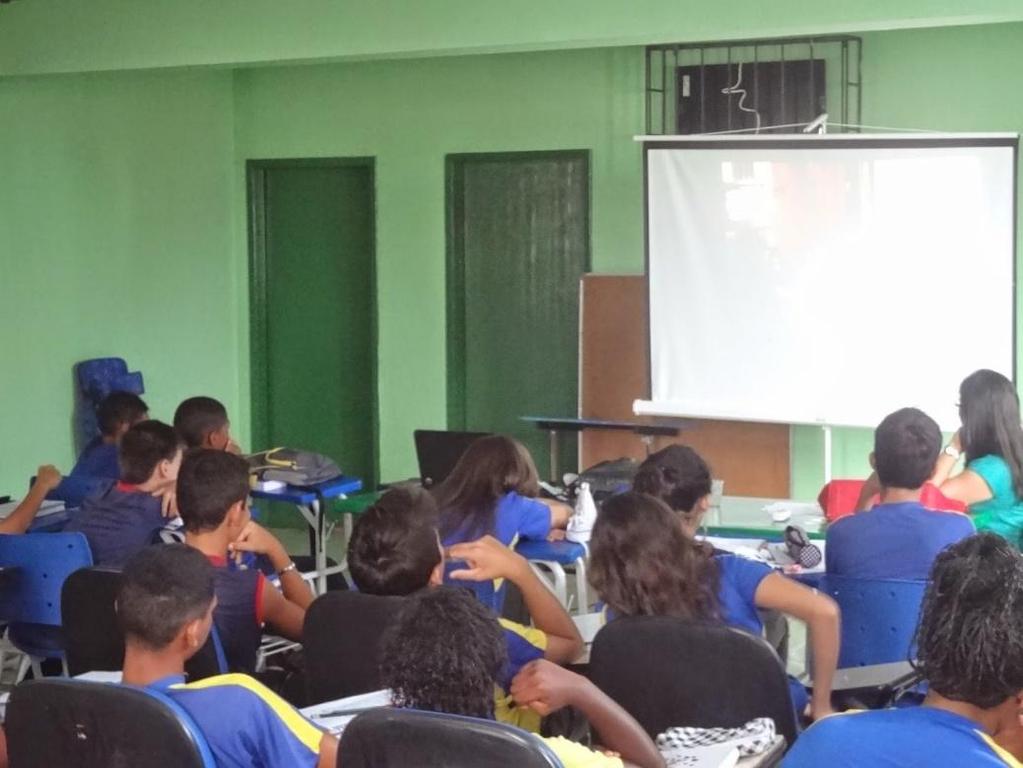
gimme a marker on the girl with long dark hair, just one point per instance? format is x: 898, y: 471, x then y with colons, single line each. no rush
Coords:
x: 643, y: 563
x: 991, y: 437
x: 493, y: 490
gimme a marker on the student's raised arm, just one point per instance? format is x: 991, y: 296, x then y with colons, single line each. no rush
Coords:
x: 48, y: 477
x: 822, y: 618
x: 487, y: 559
x: 546, y: 688
x: 285, y: 612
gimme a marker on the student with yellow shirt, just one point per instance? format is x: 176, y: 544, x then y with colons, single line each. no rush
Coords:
x: 444, y: 653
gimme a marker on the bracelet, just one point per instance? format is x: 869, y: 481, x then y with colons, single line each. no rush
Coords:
x: 287, y: 569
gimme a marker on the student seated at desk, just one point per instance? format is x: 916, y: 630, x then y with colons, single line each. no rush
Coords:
x: 48, y: 477
x: 165, y: 607
x: 445, y: 653
x: 395, y: 551
x: 203, y: 423
x: 493, y: 491
x: 970, y: 652
x: 213, y: 499
x: 118, y: 412
x: 991, y: 437
x: 128, y: 515
x: 898, y: 538
x: 643, y: 564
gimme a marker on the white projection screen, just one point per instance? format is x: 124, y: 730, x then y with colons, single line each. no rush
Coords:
x: 827, y: 280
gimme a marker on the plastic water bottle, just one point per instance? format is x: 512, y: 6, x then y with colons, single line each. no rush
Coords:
x: 580, y: 525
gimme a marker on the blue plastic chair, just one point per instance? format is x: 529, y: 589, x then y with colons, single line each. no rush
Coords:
x: 879, y: 618
x: 33, y: 567
x: 96, y: 379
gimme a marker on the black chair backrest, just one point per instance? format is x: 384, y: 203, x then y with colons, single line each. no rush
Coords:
x: 439, y: 450
x: 674, y: 672
x: 93, y: 638
x: 75, y: 724
x: 340, y: 639
x: 396, y: 738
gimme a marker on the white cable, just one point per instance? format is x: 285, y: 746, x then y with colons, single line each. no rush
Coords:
x: 736, y: 89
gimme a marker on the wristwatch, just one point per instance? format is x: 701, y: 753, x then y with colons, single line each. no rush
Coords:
x: 951, y: 450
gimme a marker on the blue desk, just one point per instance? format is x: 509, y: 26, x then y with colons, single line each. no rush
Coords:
x: 312, y: 503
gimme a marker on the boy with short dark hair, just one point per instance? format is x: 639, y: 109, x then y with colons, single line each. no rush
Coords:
x: 165, y: 607
x: 203, y: 423
x: 129, y: 514
x: 395, y: 551
x: 116, y: 414
x: 970, y: 652
x: 445, y: 654
x: 213, y: 493
x: 899, y: 538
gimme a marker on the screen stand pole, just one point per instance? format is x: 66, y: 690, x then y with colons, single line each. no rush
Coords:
x: 827, y: 454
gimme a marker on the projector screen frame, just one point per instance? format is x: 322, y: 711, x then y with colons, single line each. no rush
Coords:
x: 822, y: 141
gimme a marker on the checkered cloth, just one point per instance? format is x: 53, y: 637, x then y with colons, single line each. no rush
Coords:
x: 751, y: 739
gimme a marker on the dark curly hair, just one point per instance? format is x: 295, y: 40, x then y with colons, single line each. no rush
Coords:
x: 643, y: 564
x: 969, y: 640
x: 443, y: 653
x: 676, y: 475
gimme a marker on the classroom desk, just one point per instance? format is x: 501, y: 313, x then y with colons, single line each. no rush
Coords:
x: 312, y: 504
x: 52, y: 516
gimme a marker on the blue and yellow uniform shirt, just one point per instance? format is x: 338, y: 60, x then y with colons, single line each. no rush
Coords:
x: 245, y: 723
x: 918, y: 736
x: 515, y: 517
x: 525, y: 644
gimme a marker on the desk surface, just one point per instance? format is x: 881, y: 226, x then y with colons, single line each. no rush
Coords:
x: 332, y: 489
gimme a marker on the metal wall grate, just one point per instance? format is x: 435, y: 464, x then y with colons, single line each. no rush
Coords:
x: 754, y: 86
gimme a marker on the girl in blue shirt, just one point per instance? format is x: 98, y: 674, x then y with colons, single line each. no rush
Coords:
x: 642, y: 563
x: 991, y: 436
x: 493, y: 490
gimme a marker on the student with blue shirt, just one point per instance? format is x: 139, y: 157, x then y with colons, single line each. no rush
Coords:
x: 991, y: 437
x: 444, y: 653
x: 898, y: 538
x: 970, y: 652
x: 213, y: 499
x: 493, y: 491
x: 642, y: 563
x: 116, y: 414
x: 395, y: 552
x: 165, y: 607
x: 129, y: 514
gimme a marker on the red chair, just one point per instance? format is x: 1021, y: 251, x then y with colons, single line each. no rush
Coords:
x: 838, y: 499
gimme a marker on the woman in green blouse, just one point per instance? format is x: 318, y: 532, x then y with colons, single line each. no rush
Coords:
x: 991, y: 437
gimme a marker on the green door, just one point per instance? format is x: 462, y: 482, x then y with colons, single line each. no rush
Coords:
x: 518, y: 243
x: 313, y: 310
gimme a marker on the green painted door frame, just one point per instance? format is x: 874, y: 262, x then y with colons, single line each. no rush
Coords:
x: 258, y: 172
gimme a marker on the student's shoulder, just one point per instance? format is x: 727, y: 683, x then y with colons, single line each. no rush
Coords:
x: 516, y: 633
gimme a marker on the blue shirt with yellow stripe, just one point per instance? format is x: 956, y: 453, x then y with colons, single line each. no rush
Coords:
x: 920, y: 736
x: 245, y: 723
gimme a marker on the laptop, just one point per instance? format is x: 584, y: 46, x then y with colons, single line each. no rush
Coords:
x: 438, y: 451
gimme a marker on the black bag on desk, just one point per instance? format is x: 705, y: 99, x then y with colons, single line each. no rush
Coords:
x: 292, y: 466
x: 608, y: 478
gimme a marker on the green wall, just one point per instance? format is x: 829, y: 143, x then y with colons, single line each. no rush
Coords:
x: 48, y: 36
x: 409, y: 115
x: 115, y: 238
x: 122, y: 205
